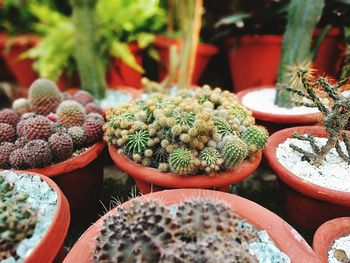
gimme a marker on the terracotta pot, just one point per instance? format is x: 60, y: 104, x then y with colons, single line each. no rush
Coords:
x: 307, y: 205
x: 276, y: 122
x: 203, y: 55
x: 51, y: 246
x: 21, y: 68
x: 80, y: 179
x: 254, y: 60
x: 120, y: 74
x: 151, y: 180
x: 327, y: 233
x: 284, y: 236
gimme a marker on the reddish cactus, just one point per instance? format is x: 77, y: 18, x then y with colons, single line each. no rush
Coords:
x: 71, y: 113
x: 61, y: 146
x: 37, y: 154
x: 93, y: 130
x: 37, y: 128
x: 6, y: 148
x: 9, y: 116
x: 83, y: 97
x: 7, y: 133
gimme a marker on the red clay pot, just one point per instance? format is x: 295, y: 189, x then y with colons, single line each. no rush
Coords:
x: 120, y: 74
x: 284, y: 236
x: 327, y: 233
x: 276, y: 122
x: 51, y: 246
x: 254, y: 60
x: 80, y: 179
x: 203, y: 55
x: 21, y: 68
x: 151, y: 180
x: 307, y: 205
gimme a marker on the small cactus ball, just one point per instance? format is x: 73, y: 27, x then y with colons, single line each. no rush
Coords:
x: 255, y: 137
x: 9, y: 116
x: 44, y: 96
x: 6, y: 148
x: 21, y: 106
x: 37, y: 128
x: 83, y: 97
x: 37, y: 153
x: 78, y: 136
x: 7, y: 133
x: 17, y: 160
x: 61, y: 146
x: 93, y: 107
x: 71, y: 113
x: 234, y: 152
x: 93, y: 130
x: 182, y: 162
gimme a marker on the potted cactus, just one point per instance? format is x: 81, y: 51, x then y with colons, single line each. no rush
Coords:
x: 313, y: 161
x: 332, y: 240
x: 57, y: 135
x: 195, y: 139
x: 229, y: 229
x: 34, y: 218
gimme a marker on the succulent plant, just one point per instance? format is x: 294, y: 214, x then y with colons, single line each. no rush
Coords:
x: 93, y: 107
x: 182, y: 133
x: 38, y: 127
x: 83, y: 97
x: 21, y: 106
x: 17, y: 160
x: 61, y: 146
x: 9, y: 116
x: 17, y: 220
x: 71, y: 113
x: 21, y: 142
x: 6, y: 148
x: 95, y: 116
x: 200, y: 231
x: 78, y: 136
x: 44, y: 96
x: 7, y: 133
x: 37, y: 154
x: 255, y: 137
x: 93, y: 130
x: 234, y: 151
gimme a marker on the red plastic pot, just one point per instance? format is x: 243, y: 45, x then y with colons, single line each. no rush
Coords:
x: 80, y: 179
x: 150, y: 179
x: 284, y: 236
x: 51, y: 246
x: 203, y: 55
x: 275, y: 122
x: 327, y: 233
x: 254, y: 60
x: 120, y: 74
x: 22, y: 69
x: 307, y: 205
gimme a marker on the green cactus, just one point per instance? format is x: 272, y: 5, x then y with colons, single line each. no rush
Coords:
x: 212, y: 159
x: 181, y: 162
x: 224, y: 128
x: 184, y: 117
x: 241, y: 114
x: 255, y: 137
x: 71, y: 113
x: 234, y: 151
x: 137, y: 142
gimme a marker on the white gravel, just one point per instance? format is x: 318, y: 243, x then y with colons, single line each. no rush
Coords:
x: 263, y: 100
x: 333, y: 173
x: 340, y: 251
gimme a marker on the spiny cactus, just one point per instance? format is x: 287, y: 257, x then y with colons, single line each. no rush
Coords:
x: 93, y: 107
x: 44, y: 96
x: 234, y: 151
x: 200, y: 231
x: 21, y: 142
x: 37, y: 153
x: 182, y: 162
x: 17, y: 220
x: 9, y: 116
x: 71, y: 113
x: 17, y: 159
x: 37, y: 128
x: 149, y: 131
x: 78, y: 136
x: 6, y: 148
x: 7, y: 133
x: 255, y: 137
x: 61, y: 146
x: 21, y: 106
x: 83, y: 97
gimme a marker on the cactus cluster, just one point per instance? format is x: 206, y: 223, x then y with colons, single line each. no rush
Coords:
x: 17, y: 220
x: 46, y: 128
x: 206, y: 131
x: 201, y: 230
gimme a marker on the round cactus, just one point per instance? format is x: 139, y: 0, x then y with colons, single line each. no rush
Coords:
x: 21, y: 106
x: 211, y: 159
x: 21, y: 142
x: 28, y: 115
x: 37, y: 128
x: 61, y: 146
x: 57, y: 127
x: 6, y: 148
x: 93, y: 130
x: 78, y: 136
x: 95, y: 116
x: 223, y: 127
x: 9, y: 116
x: 137, y: 142
x: 255, y: 137
x: 17, y: 160
x: 71, y: 113
x: 37, y: 154
x: 7, y: 133
x: 182, y: 161
x: 93, y: 107
x: 44, y: 96
x: 234, y: 152
x: 83, y: 97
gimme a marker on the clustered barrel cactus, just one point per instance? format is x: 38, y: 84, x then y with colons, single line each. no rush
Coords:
x: 189, y: 133
x: 200, y: 230
x: 17, y: 220
x: 48, y: 127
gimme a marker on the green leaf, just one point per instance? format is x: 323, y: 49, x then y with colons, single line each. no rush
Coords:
x: 122, y: 51
x: 233, y: 19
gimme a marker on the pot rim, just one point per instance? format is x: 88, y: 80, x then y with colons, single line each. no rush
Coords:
x: 295, y: 182
x: 307, y: 118
x: 327, y: 233
x: 154, y: 176
x: 283, y: 235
